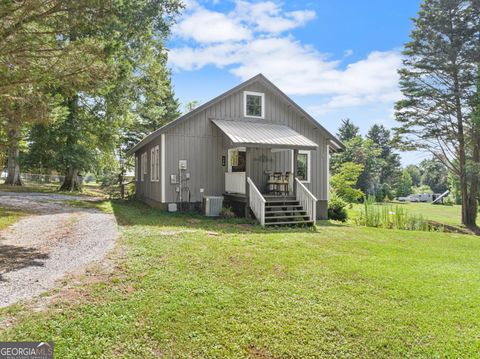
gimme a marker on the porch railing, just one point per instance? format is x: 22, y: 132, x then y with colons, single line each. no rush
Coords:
x: 307, y: 200
x: 256, y: 201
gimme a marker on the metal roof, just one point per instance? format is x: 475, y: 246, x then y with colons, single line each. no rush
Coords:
x: 263, y: 134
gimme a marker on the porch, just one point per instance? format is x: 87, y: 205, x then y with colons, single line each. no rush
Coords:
x: 267, y: 168
x: 276, y: 210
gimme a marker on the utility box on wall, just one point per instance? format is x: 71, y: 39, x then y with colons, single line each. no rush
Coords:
x: 182, y: 165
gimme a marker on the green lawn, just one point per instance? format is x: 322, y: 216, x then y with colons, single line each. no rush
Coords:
x: 192, y: 287
x: 8, y: 217
x: 87, y: 190
x: 451, y: 215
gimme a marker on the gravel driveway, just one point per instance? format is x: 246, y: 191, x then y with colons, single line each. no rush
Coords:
x: 57, y: 239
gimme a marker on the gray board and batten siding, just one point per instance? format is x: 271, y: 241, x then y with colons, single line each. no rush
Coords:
x: 195, y: 138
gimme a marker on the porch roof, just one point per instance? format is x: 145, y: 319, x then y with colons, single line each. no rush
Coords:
x: 262, y: 134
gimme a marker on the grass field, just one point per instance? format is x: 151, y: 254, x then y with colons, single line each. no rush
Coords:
x: 185, y: 286
x: 451, y: 215
x: 87, y: 190
x: 8, y: 217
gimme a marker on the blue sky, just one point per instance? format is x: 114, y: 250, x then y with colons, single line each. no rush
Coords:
x: 336, y: 58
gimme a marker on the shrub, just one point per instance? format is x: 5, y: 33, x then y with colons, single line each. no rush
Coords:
x: 344, y: 182
x: 390, y: 217
x: 448, y: 201
x: 422, y: 189
x: 404, y: 185
x: 110, y: 184
x: 337, y: 208
x: 227, y: 212
x: 384, y: 193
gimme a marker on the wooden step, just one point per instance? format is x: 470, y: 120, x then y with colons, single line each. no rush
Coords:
x: 289, y: 223
x: 281, y: 202
x: 273, y: 197
x: 268, y: 206
x: 282, y: 218
x: 292, y: 211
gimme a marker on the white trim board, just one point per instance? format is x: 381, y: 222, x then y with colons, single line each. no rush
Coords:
x: 162, y: 164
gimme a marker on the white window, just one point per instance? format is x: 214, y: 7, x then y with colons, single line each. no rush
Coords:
x: 254, y: 104
x: 155, y: 164
x: 152, y: 165
x: 136, y: 169
x: 303, y: 166
x: 143, y: 166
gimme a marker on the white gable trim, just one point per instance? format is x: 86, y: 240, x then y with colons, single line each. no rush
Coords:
x: 162, y: 165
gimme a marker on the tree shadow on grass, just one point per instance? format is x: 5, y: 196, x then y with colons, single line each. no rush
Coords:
x: 131, y: 213
x: 16, y: 257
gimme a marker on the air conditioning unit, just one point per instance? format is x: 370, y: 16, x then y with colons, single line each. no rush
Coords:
x: 212, y: 205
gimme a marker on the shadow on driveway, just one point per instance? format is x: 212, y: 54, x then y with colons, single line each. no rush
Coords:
x: 15, y: 257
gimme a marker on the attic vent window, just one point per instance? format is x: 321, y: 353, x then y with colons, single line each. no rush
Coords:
x: 254, y: 104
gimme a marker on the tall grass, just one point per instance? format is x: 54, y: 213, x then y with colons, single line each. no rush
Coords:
x: 391, y: 217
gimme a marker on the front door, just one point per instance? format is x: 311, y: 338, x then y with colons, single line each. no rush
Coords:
x: 235, y: 177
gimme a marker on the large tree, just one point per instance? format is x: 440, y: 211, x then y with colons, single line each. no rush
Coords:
x: 415, y: 173
x: 347, y: 130
x: 434, y: 174
x: 438, y: 81
x: 404, y: 185
x: 389, y: 161
x: 36, y: 58
x: 151, y: 100
x: 134, y: 37
x: 363, y: 152
x: 95, y: 50
x: 345, y: 181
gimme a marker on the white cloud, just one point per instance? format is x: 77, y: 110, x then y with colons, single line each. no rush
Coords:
x: 268, y: 16
x: 251, y: 40
x: 207, y: 26
x: 220, y: 55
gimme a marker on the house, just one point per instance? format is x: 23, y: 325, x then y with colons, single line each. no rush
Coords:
x: 244, y: 145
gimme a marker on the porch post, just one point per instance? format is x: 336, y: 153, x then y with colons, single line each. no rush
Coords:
x: 247, y: 174
x: 295, y: 167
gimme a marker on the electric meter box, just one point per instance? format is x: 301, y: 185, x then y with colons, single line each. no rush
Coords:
x: 182, y: 165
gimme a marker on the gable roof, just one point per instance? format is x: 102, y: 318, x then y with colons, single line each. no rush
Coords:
x: 260, y: 77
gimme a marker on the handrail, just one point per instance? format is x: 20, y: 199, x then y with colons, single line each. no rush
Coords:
x: 307, y: 200
x: 256, y: 201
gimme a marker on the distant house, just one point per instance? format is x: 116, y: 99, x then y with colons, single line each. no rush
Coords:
x: 252, y: 145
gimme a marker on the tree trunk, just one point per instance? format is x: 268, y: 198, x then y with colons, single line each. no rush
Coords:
x: 472, y: 206
x: 13, y: 164
x: 71, y: 182
x: 468, y: 218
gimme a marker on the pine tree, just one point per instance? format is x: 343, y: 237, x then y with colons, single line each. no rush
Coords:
x: 347, y: 130
x: 389, y: 161
x: 438, y: 81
